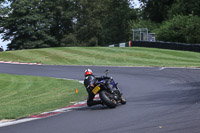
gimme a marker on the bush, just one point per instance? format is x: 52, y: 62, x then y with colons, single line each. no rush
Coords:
x: 185, y: 29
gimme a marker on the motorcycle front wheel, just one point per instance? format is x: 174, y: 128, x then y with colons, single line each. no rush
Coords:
x: 107, y: 99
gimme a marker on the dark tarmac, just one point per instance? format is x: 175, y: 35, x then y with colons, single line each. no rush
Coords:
x: 159, y: 100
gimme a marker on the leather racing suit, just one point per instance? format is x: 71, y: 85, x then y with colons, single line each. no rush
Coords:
x: 90, y: 83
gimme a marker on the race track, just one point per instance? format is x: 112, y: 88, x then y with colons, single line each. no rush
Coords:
x: 159, y: 100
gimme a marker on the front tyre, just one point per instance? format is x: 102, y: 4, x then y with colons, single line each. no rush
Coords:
x: 107, y: 99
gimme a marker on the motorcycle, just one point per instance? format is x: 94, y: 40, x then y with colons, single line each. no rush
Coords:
x: 109, y: 92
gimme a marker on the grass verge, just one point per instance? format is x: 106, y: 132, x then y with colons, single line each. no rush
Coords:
x: 115, y: 56
x: 22, y: 96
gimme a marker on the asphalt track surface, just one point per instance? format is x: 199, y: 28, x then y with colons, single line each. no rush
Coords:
x: 159, y: 100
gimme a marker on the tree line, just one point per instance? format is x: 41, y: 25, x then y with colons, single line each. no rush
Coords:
x: 46, y: 23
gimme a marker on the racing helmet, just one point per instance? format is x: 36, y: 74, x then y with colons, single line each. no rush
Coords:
x: 88, y: 72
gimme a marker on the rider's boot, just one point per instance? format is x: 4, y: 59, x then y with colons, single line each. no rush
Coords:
x: 122, y: 100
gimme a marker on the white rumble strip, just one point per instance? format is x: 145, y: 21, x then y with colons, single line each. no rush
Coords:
x: 11, y: 62
x: 45, y: 114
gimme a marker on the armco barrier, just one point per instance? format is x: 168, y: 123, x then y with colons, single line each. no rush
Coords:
x: 168, y: 45
x: 163, y: 45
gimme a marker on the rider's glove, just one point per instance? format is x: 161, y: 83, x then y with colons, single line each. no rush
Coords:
x: 91, y: 85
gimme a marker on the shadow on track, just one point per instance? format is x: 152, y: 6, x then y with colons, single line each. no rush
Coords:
x: 96, y: 107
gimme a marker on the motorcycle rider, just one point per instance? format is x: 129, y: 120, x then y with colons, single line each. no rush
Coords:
x: 89, y: 84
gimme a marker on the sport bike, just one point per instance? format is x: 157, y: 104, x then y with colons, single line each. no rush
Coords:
x: 108, y: 91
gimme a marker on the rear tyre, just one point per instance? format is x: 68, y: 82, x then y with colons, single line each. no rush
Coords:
x: 107, y: 100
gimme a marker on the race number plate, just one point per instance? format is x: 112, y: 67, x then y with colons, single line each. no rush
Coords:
x: 96, y: 89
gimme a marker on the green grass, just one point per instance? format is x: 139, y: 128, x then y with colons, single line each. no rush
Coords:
x: 115, y: 56
x: 22, y: 96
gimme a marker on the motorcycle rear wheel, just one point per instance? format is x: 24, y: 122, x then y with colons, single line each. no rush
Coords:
x: 111, y: 103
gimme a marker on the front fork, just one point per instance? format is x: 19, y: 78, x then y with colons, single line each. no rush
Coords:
x: 116, y: 92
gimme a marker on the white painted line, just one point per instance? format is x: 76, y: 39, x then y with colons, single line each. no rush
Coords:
x: 16, y: 122
x: 162, y: 68
x: 62, y: 110
x: 81, y: 82
x: 195, y: 68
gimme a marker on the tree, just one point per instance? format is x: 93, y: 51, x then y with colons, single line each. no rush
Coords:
x: 156, y: 10
x: 116, y: 21
x: 178, y: 19
x: 26, y: 25
x: 39, y: 23
x: 36, y: 23
x: 88, y: 20
x: 62, y: 14
x: 184, y: 7
x: 184, y: 29
x: 103, y: 20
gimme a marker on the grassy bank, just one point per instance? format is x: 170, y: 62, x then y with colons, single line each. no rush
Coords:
x: 134, y: 56
x: 22, y: 96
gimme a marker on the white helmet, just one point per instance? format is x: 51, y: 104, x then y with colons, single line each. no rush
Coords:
x: 88, y: 72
